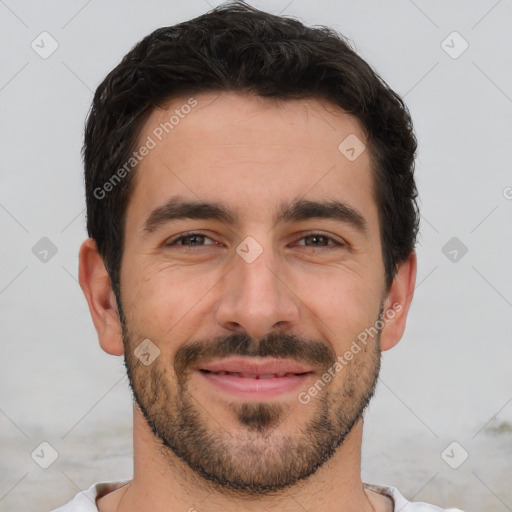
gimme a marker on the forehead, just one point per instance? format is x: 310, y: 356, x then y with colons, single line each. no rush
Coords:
x: 253, y: 151
x: 232, y: 118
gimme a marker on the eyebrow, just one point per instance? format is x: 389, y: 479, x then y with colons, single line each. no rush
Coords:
x: 297, y: 210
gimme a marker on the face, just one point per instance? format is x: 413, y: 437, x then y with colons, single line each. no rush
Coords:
x: 252, y: 261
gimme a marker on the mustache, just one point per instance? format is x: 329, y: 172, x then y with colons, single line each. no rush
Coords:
x: 277, y: 345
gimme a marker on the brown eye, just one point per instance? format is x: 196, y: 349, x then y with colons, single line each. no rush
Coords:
x: 317, y: 240
x: 190, y: 240
x: 320, y: 240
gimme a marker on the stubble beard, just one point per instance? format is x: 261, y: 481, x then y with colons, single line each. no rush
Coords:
x: 255, y: 457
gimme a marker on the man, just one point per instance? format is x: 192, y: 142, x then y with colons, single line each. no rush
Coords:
x: 252, y: 216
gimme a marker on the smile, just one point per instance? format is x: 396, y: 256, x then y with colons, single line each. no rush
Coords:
x: 255, y: 377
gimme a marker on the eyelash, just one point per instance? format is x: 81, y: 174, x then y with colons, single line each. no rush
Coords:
x: 174, y: 241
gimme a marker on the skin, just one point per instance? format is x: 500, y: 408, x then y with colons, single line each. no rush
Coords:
x: 228, y: 150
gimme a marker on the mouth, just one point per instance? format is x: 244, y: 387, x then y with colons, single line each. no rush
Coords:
x: 255, y: 377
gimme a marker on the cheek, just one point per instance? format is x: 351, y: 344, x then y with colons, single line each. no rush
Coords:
x: 345, y: 305
x: 165, y: 300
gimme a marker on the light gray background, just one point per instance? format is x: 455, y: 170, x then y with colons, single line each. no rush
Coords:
x: 448, y: 380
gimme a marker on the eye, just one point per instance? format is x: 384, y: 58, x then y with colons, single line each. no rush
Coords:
x: 189, y: 240
x: 196, y: 239
x: 320, y: 240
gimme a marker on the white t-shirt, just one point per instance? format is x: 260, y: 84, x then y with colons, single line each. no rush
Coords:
x: 85, y: 501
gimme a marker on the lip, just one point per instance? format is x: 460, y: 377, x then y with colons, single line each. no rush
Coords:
x: 254, y: 378
x: 255, y: 366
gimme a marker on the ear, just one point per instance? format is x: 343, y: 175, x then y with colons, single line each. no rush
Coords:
x: 95, y: 283
x: 397, y: 302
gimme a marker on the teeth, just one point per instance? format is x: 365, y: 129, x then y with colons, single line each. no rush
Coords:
x: 256, y: 376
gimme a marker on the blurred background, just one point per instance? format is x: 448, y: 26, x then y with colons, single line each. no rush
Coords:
x: 440, y: 426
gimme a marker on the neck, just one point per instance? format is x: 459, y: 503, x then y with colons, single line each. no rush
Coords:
x: 162, y: 483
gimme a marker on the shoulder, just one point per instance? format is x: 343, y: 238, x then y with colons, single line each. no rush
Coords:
x: 404, y: 505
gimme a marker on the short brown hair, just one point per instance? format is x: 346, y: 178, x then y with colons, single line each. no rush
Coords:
x: 236, y: 47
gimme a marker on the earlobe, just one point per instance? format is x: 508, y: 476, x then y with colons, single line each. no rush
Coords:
x: 398, y: 301
x: 95, y: 283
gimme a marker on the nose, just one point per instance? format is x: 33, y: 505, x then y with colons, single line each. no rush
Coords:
x: 256, y: 298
